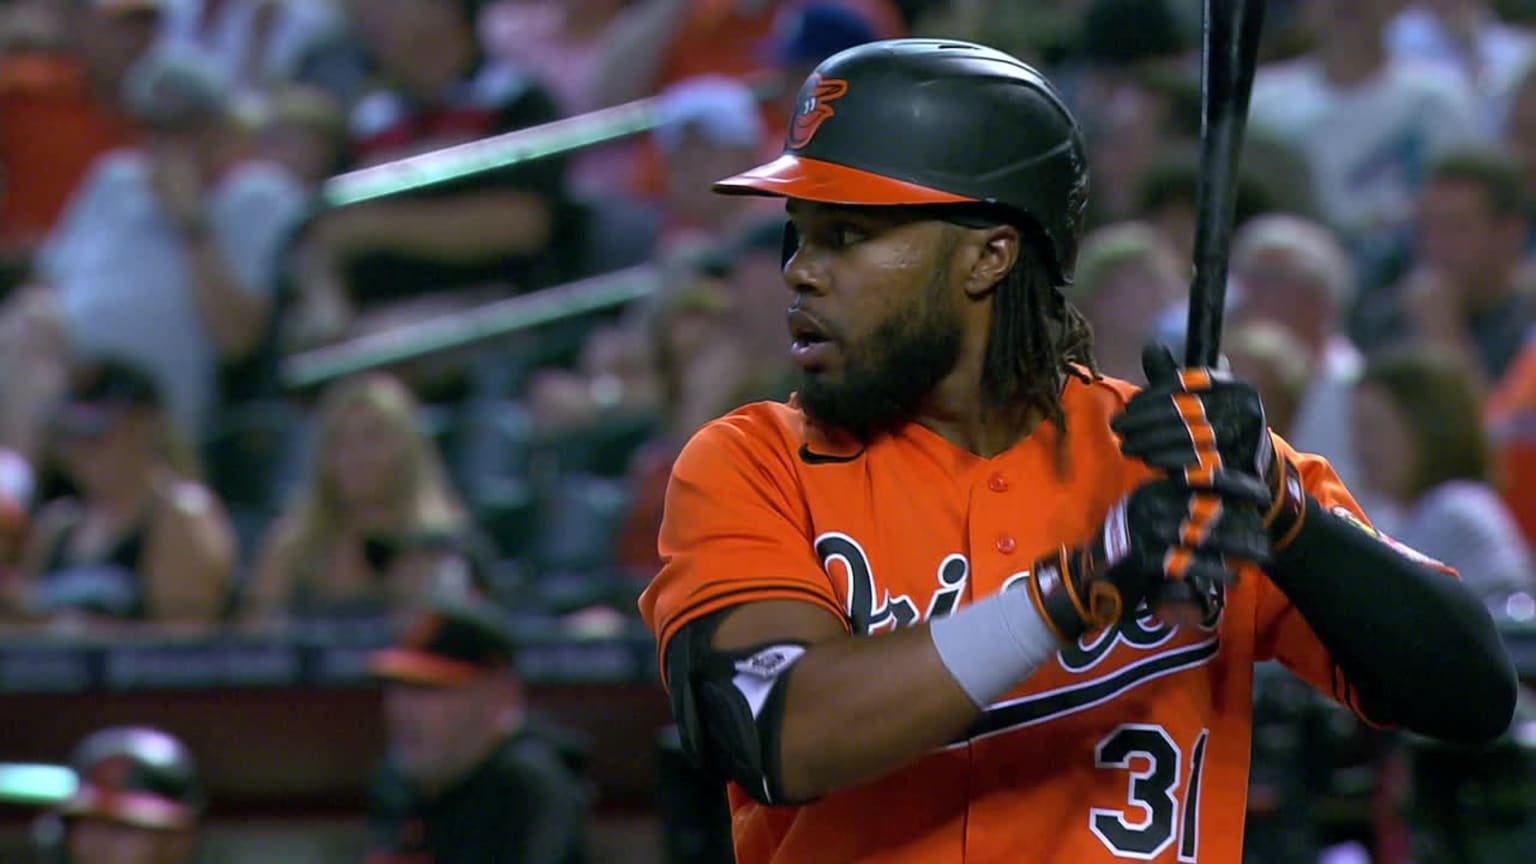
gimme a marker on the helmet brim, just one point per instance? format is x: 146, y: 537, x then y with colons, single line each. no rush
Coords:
x: 792, y: 176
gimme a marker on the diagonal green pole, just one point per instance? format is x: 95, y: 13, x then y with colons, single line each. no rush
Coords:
x: 489, y: 154
x: 26, y: 783
x: 467, y: 328
x: 509, y: 148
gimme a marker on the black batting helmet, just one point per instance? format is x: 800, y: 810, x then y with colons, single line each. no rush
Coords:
x: 934, y: 121
x: 135, y: 776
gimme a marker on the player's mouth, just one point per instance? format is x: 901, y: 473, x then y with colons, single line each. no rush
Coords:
x: 810, y: 345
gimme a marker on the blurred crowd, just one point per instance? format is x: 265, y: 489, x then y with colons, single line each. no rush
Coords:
x: 165, y: 243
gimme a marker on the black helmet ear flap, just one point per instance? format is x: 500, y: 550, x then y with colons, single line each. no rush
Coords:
x: 789, y: 244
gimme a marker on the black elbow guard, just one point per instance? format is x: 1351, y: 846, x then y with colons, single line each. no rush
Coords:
x: 729, y: 707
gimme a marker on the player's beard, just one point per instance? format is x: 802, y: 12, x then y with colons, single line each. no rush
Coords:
x: 886, y: 375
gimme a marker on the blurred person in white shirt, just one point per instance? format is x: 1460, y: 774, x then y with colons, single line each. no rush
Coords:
x: 1370, y: 126
x: 168, y: 254
x: 1294, y: 273
x: 1468, y: 42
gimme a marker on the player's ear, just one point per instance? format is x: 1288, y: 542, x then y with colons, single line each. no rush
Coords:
x: 996, y: 249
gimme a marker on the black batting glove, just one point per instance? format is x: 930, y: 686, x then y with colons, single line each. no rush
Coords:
x: 1207, y: 427
x: 1162, y: 542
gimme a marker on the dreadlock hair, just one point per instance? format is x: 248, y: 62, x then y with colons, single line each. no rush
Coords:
x: 1037, y: 336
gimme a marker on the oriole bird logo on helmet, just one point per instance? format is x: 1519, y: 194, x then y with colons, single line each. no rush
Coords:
x: 814, y: 108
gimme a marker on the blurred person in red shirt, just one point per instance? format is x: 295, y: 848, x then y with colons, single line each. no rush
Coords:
x: 61, y: 108
x: 659, y: 44
x: 662, y: 42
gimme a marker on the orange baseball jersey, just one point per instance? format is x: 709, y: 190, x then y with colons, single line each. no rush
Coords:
x: 1132, y: 744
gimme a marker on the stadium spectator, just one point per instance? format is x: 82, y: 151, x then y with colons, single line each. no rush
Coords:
x: 562, y: 43
x: 717, y: 342
x: 708, y: 125
x: 250, y: 44
x: 455, y: 242
x: 1472, y: 292
x: 304, y: 129
x: 1421, y: 446
x: 366, y: 530
x: 803, y: 36
x: 1267, y: 355
x: 167, y: 255
x: 139, y: 541
x: 72, y: 88
x: 1519, y: 135
x: 1468, y: 43
x: 1385, y: 121
x: 1131, y: 60
x: 1294, y: 273
x: 1168, y: 191
x: 657, y: 43
x: 1128, y: 281
x: 472, y: 776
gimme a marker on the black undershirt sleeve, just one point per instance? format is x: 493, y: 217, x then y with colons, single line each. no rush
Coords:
x: 1421, y: 652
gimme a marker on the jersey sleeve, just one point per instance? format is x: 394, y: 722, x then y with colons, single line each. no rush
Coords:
x: 735, y: 529
x: 1280, y: 632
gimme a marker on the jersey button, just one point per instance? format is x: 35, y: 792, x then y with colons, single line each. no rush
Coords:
x: 997, y: 483
x: 1006, y: 544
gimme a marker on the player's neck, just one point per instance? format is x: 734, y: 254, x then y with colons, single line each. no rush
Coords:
x: 963, y: 417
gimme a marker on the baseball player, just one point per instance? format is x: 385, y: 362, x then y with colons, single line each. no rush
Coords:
x: 138, y: 800
x: 961, y: 598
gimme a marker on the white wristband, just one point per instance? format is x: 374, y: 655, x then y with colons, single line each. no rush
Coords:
x: 992, y: 645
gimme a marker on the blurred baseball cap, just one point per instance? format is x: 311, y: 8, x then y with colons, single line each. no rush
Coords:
x: 806, y: 35
x: 136, y: 776
x: 175, y: 89
x: 724, y: 110
x: 451, y: 642
x: 102, y: 390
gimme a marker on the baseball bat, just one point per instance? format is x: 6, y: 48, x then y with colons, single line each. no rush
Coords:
x: 1229, y: 52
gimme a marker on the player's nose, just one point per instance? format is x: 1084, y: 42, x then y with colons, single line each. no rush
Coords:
x: 802, y: 273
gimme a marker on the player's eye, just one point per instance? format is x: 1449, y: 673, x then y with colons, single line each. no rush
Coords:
x: 845, y: 234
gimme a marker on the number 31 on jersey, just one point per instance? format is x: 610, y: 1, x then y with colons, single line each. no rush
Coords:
x: 1151, y: 820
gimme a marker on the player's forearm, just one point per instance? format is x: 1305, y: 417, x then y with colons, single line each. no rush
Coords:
x: 1419, y: 649
x: 947, y: 671
x: 860, y: 707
